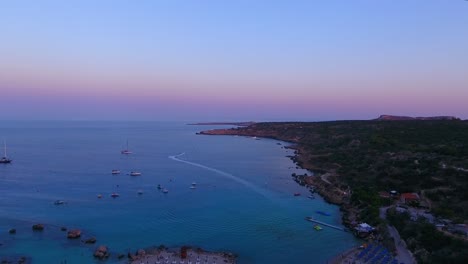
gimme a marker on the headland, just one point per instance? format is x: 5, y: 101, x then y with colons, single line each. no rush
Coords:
x: 373, y: 170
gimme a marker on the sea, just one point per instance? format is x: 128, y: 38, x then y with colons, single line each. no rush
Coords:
x: 243, y: 202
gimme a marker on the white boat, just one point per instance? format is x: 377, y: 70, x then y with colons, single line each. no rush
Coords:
x: 194, y: 183
x: 126, y: 151
x: 165, y: 190
x: 59, y: 202
x: 135, y: 173
x: 5, y: 158
x: 115, y: 171
x: 193, y: 187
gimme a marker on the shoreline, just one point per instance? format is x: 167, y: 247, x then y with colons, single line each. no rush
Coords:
x: 323, y: 181
x: 319, y: 181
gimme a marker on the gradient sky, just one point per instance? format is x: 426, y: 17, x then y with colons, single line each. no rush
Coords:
x: 232, y: 60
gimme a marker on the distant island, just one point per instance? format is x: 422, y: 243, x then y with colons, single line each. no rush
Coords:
x: 401, y: 118
x: 223, y: 124
x: 411, y: 174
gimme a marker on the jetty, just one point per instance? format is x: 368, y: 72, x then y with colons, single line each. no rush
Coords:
x: 311, y: 219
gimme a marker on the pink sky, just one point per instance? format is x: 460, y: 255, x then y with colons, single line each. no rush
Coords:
x: 154, y: 61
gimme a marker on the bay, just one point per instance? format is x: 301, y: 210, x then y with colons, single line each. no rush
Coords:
x: 243, y: 202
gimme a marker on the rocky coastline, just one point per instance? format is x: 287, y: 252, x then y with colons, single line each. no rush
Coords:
x: 188, y: 254
x: 325, y: 181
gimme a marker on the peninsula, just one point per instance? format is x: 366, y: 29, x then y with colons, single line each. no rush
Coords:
x: 410, y: 174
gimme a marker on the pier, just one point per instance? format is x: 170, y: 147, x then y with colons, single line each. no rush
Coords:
x: 325, y: 224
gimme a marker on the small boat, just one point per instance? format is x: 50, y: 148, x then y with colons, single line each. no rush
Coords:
x: 5, y: 159
x: 135, y: 173
x: 165, y: 190
x: 115, y: 195
x: 126, y: 151
x: 297, y: 194
x: 311, y: 197
x: 140, y: 192
x: 193, y: 187
x: 194, y: 183
x: 99, y: 196
x: 159, y: 187
x: 59, y: 202
x: 115, y: 171
x: 317, y: 227
x: 323, y: 213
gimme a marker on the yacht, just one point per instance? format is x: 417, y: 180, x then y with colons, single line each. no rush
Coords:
x: 5, y: 158
x: 126, y: 151
x: 135, y: 173
x: 115, y: 171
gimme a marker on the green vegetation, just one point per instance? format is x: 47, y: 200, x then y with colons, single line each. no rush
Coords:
x: 428, y: 244
x: 427, y: 157
x: 407, y: 156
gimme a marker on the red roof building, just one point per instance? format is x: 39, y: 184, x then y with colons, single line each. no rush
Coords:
x: 409, y: 197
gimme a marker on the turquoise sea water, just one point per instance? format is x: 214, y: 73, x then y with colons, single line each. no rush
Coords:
x: 243, y: 202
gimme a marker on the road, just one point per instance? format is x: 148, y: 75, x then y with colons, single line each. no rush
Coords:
x: 403, y: 254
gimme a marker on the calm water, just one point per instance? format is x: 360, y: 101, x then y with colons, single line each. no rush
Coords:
x: 243, y: 203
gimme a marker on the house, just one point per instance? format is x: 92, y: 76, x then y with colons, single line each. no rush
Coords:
x: 409, y: 198
x: 364, y: 228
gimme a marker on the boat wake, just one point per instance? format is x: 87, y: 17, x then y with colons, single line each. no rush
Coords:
x: 222, y: 173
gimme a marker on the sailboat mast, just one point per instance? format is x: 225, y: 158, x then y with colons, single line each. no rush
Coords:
x: 4, y: 148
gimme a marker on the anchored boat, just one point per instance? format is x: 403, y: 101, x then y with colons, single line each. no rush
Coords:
x: 5, y: 158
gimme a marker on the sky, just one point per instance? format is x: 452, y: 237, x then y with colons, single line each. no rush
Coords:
x: 200, y: 60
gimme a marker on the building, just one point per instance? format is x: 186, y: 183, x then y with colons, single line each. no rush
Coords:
x: 409, y: 198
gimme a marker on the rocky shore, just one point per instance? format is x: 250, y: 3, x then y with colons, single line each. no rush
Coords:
x: 185, y: 254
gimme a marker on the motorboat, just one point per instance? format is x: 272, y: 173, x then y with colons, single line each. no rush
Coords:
x: 317, y: 227
x: 59, y: 202
x: 297, y: 194
x: 115, y: 195
x: 135, y: 173
x: 165, y: 190
x: 140, y: 192
x: 115, y: 171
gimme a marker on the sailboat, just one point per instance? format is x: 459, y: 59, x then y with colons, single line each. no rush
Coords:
x: 126, y: 151
x: 5, y: 158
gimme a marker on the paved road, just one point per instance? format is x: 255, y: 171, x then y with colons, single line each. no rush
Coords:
x: 403, y: 254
